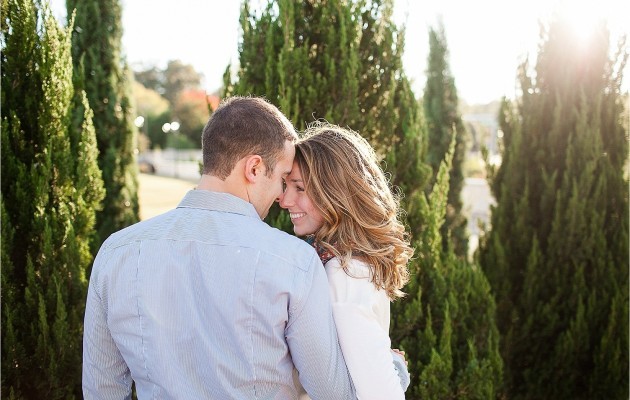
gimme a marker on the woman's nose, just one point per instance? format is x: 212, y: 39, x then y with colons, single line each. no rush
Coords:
x: 283, y: 200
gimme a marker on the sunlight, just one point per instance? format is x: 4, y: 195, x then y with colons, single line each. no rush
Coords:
x: 583, y: 20
x: 583, y: 17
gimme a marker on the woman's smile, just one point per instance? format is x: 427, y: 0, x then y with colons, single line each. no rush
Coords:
x: 295, y: 216
x: 304, y: 215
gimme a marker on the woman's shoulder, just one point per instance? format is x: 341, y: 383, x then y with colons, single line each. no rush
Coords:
x: 355, y: 268
x: 353, y: 284
x: 355, y: 288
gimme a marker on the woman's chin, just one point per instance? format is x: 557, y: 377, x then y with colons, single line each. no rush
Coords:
x: 300, y: 232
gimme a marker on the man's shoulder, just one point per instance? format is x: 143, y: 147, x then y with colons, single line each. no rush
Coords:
x: 284, y: 245
x: 135, y: 231
x: 282, y: 238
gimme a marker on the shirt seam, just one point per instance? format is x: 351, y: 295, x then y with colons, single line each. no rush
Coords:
x: 302, y: 295
x: 251, y: 323
x: 96, y: 271
x: 142, y: 339
x: 279, y: 257
x: 244, y: 214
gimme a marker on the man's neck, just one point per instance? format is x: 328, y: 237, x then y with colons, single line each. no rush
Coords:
x: 215, y: 184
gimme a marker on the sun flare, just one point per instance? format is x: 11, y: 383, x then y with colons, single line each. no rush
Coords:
x: 584, y: 17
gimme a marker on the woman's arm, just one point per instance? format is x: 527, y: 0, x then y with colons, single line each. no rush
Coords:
x: 359, y: 310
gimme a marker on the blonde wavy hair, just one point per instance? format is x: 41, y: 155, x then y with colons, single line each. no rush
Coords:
x: 343, y: 179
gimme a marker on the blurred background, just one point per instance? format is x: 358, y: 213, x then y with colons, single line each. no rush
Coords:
x: 503, y: 125
x: 179, y: 53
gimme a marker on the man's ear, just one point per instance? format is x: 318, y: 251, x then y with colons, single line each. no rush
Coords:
x: 254, y: 168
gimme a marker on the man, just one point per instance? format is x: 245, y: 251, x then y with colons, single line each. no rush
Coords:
x: 207, y: 301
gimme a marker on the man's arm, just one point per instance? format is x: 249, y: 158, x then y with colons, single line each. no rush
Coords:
x: 105, y: 373
x: 312, y: 339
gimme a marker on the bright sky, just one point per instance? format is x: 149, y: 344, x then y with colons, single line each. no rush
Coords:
x: 487, y: 39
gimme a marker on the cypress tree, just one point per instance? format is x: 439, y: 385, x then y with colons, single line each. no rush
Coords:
x: 310, y: 66
x: 446, y: 324
x: 96, y: 51
x: 333, y: 60
x: 51, y: 186
x: 443, y: 120
x: 557, y: 254
x: 384, y: 96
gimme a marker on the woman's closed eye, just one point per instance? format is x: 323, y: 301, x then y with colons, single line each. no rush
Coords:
x: 298, y: 187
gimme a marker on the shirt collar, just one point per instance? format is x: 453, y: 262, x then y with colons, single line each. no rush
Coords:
x: 216, y: 201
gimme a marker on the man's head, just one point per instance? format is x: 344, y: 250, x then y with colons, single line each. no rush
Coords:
x: 248, y: 144
x: 242, y: 126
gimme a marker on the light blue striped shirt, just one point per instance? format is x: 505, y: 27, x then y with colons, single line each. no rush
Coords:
x: 208, y: 302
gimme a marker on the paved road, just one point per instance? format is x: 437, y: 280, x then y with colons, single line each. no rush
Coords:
x: 477, y: 200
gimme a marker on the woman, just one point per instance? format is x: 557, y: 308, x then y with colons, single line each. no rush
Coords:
x: 338, y: 196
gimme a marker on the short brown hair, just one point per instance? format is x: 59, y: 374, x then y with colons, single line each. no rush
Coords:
x: 241, y: 126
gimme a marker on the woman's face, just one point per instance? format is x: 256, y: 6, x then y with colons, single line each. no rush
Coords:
x: 304, y: 215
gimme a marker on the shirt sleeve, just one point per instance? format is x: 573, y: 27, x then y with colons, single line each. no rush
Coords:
x: 401, y: 370
x: 105, y: 373
x: 312, y: 339
x: 365, y: 343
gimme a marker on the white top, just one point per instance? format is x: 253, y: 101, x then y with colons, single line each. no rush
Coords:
x: 361, y: 313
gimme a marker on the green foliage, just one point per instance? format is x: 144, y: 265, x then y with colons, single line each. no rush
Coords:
x: 308, y: 48
x: 180, y: 142
x: 171, y: 81
x: 151, y: 78
x: 100, y: 71
x: 177, y: 78
x: 333, y: 60
x: 155, y: 111
x: 51, y: 187
x: 180, y: 84
x: 557, y: 254
x: 192, y: 110
x: 153, y: 126
x: 446, y: 324
x: 403, y: 162
x: 443, y: 120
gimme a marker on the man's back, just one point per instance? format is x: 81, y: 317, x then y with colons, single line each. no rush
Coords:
x: 201, y: 303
